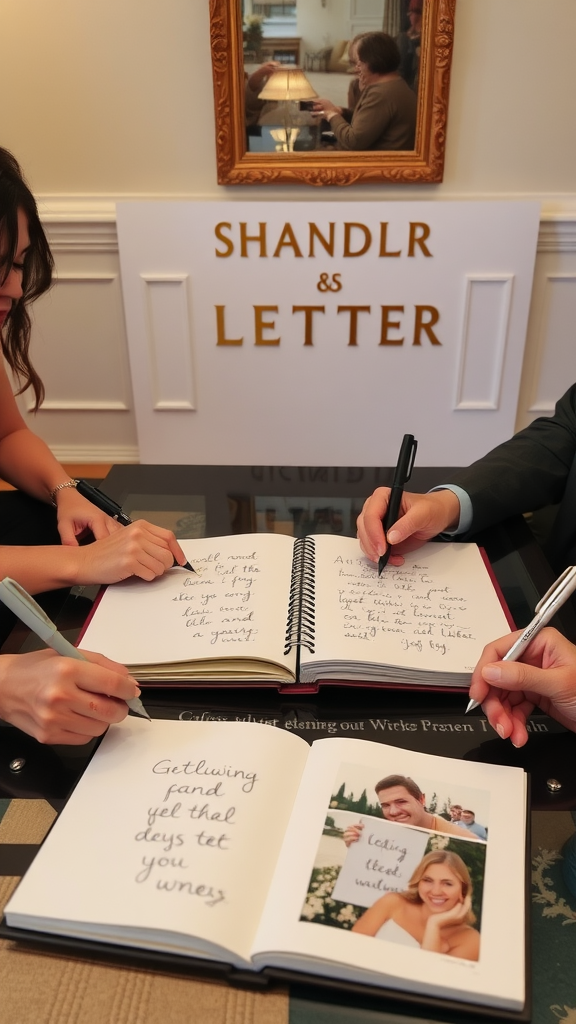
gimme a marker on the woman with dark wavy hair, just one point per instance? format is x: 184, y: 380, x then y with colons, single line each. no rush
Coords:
x: 42, y: 519
x: 434, y: 913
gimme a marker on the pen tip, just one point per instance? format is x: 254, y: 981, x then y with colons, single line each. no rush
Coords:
x: 471, y: 705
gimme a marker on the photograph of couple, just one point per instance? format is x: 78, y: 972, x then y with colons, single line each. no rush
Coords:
x: 400, y: 867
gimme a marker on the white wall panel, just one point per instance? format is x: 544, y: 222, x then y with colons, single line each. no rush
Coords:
x: 484, y: 338
x: 79, y: 347
x: 83, y: 311
x: 341, y: 387
x: 169, y: 341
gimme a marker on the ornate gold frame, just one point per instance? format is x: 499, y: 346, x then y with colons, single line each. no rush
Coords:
x: 423, y: 164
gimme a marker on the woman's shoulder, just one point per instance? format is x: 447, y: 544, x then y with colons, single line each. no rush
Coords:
x: 391, y: 901
x: 396, y: 904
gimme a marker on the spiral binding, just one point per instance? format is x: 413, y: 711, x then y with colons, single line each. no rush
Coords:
x: 301, y: 629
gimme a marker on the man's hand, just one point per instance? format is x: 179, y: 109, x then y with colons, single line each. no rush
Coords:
x: 63, y: 700
x: 422, y: 516
x: 352, y: 833
x: 509, y: 690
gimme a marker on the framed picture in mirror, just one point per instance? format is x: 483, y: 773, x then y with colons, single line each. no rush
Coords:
x: 295, y: 103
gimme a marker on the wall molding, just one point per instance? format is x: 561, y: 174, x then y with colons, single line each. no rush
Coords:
x: 557, y: 234
x: 96, y: 453
x: 88, y: 223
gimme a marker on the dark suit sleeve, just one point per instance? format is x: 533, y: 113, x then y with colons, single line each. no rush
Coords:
x: 525, y: 473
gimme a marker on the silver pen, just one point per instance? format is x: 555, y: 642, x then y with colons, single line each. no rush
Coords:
x: 32, y: 615
x: 545, y: 610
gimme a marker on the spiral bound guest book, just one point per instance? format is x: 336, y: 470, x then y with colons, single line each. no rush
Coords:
x: 267, y: 609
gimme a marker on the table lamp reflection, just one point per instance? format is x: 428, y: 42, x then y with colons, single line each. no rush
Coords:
x: 287, y: 86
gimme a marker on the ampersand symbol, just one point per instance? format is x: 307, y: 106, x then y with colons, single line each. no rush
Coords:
x: 324, y: 283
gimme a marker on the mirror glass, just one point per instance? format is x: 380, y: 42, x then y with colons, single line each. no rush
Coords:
x: 331, y: 91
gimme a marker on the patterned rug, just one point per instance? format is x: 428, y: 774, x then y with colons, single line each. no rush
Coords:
x: 554, y: 941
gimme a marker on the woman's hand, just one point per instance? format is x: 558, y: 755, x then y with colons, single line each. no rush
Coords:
x: 456, y: 915
x: 140, y: 549
x: 63, y: 700
x: 76, y: 515
x: 463, y: 942
x: 326, y: 107
x: 545, y: 677
x: 422, y: 516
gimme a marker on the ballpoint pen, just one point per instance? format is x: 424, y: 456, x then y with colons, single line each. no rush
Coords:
x: 114, y: 510
x: 545, y: 610
x: 402, y: 474
x: 32, y: 615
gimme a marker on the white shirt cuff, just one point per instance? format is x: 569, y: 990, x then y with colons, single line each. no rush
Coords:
x: 465, y: 521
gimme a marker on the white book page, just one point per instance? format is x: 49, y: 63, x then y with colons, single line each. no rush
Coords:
x: 235, y: 605
x: 436, y: 612
x: 291, y: 922
x: 174, y: 827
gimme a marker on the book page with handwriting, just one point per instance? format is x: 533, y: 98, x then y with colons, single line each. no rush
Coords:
x: 235, y: 606
x: 429, y: 617
x: 170, y: 838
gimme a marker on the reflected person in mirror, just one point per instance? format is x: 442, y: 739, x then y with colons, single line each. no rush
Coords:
x: 254, y: 83
x: 354, y: 89
x: 409, y: 43
x: 384, y: 117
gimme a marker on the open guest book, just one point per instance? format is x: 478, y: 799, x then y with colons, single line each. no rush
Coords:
x: 224, y: 842
x: 267, y: 609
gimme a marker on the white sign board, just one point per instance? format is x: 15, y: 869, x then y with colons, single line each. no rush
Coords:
x: 382, y: 860
x: 318, y: 333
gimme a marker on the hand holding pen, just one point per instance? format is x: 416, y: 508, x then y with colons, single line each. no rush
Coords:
x: 68, y: 699
x: 508, y: 688
x: 402, y: 474
x: 112, y: 509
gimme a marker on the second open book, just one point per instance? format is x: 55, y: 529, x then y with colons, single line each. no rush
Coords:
x: 266, y: 608
x: 225, y: 841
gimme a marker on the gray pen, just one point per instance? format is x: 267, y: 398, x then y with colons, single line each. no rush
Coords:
x: 32, y: 615
x: 545, y: 610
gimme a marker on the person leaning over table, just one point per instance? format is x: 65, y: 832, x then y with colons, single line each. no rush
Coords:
x: 385, y: 115
x: 535, y: 468
x: 42, y: 520
x: 55, y: 699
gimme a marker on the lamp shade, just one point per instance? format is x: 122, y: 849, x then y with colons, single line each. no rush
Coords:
x: 288, y: 83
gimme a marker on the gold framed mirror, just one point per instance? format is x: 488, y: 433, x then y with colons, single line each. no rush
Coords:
x: 237, y: 165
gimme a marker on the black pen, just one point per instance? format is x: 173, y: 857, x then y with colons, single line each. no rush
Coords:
x: 402, y: 474
x: 113, y: 509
